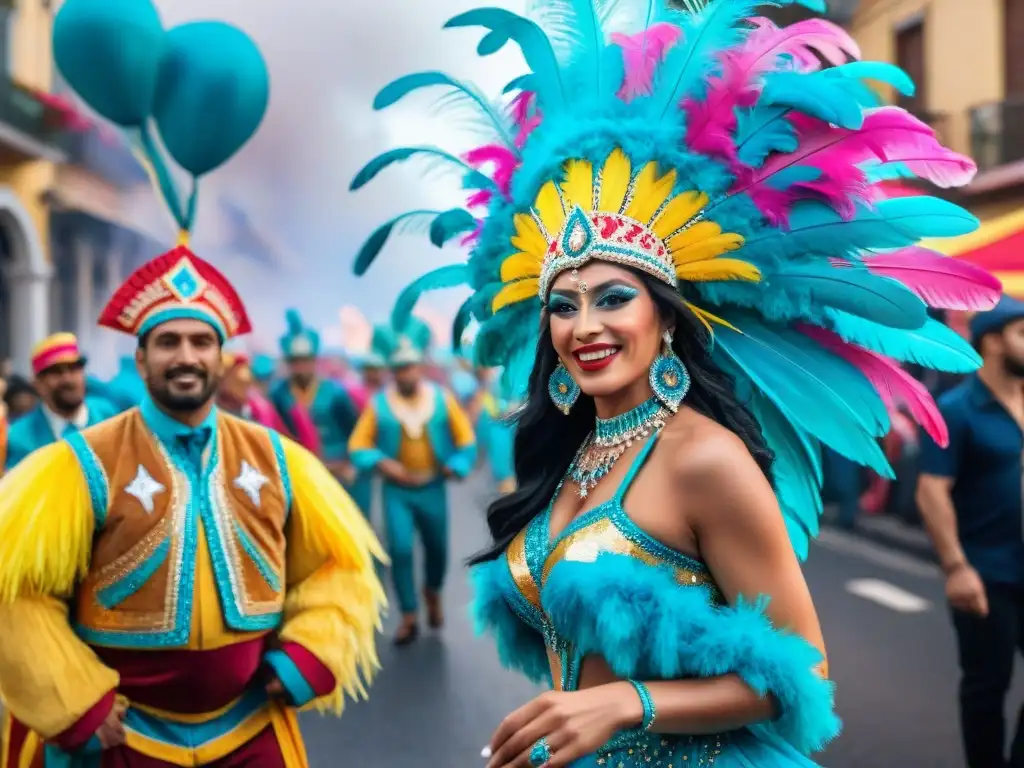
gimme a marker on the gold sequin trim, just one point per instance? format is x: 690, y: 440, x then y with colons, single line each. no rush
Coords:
x: 515, y: 554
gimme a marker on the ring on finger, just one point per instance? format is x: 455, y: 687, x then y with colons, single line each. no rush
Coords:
x: 540, y: 753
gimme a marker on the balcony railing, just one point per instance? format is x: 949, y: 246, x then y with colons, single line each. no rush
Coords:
x: 838, y: 11
x: 997, y: 133
x: 22, y: 111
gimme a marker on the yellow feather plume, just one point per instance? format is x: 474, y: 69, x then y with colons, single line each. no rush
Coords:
x: 46, y: 525
x: 519, y: 266
x: 549, y: 207
x: 578, y: 187
x: 679, y: 210
x: 513, y: 293
x: 707, y: 319
x: 707, y: 249
x: 702, y: 230
x: 718, y: 269
x: 528, y: 237
x: 650, y: 193
x: 615, y: 178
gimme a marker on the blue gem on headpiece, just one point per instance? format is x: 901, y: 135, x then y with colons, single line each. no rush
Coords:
x: 185, y: 281
x: 578, y: 234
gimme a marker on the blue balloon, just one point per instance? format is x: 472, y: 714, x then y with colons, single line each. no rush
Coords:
x: 109, y: 52
x: 211, y: 94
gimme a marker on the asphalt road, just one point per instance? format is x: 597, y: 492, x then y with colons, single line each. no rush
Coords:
x: 891, y: 654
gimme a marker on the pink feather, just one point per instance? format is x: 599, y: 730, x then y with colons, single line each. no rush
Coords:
x: 894, y: 385
x: 525, y: 115
x: 305, y: 430
x: 711, y: 123
x: 473, y: 236
x: 641, y: 53
x: 889, y: 134
x: 939, y: 281
x: 263, y: 412
x: 503, y: 160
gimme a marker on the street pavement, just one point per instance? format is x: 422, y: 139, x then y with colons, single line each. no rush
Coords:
x: 891, y: 655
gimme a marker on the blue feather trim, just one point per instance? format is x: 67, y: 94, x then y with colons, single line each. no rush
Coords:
x: 520, y: 647
x: 472, y: 178
x: 644, y: 625
x: 443, y: 277
x: 373, y: 245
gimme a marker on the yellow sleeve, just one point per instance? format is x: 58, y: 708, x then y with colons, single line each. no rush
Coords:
x: 462, y: 428
x: 334, y: 602
x: 362, y: 443
x: 48, y: 677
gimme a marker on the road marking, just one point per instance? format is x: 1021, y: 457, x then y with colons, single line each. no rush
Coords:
x: 887, y: 557
x: 888, y: 595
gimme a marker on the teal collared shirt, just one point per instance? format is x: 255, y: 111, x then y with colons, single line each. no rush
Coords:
x: 178, y: 436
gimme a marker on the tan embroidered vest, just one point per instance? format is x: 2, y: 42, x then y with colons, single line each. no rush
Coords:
x: 148, y: 499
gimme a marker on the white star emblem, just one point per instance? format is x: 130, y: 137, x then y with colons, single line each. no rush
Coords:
x: 250, y: 480
x: 144, y: 488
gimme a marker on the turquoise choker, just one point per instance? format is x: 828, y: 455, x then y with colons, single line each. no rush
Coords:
x: 610, y: 439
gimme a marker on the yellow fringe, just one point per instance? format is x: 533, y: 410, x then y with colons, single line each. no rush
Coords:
x: 512, y: 293
x: 46, y: 525
x: 549, y: 207
x: 707, y: 318
x: 649, y: 193
x: 578, y: 187
x: 335, y: 602
x: 718, y: 269
x: 706, y: 249
x: 528, y: 237
x: 519, y: 266
x: 679, y: 210
x: 615, y: 178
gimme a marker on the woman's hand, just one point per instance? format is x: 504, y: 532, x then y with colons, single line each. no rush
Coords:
x: 575, y: 724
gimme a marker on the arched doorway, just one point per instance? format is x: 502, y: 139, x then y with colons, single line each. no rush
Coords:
x: 24, y: 282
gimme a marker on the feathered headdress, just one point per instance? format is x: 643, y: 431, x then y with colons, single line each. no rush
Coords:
x: 203, y: 87
x: 737, y: 161
x: 298, y: 340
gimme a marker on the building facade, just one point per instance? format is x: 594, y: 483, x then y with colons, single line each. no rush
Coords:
x: 968, y: 63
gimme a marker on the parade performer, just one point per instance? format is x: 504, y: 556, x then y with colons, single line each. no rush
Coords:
x: 501, y: 432
x: 240, y: 396
x: 317, y: 410
x: 59, y: 368
x: 683, y: 205
x: 417, y: 437
x: 193, y: 578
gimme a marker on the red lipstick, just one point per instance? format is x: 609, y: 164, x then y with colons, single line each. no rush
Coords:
x: 595, y: 357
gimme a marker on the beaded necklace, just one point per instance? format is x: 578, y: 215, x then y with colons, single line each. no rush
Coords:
x: 610, y: 439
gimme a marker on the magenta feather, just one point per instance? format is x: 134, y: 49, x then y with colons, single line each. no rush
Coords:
x: 889, y: 134
x: 641, y: 54
x: 895, y: 386
x: 473, y: 236
x: 502, y: 159
x: 711, y: 123
x: 525, y: 115
x: 940, y: 281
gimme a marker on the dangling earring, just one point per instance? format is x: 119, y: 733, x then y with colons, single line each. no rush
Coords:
x: 669, y: 378
x: 563, y: 389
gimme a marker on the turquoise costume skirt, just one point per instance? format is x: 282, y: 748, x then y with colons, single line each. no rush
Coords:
x: 753, y: 747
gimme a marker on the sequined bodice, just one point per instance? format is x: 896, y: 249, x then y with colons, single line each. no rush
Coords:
x: 604, y: 529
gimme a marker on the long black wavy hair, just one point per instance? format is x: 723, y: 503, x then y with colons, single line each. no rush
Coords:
x: 546, y: 440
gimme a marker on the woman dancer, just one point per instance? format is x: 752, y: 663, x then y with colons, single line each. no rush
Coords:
x: 687, y: 204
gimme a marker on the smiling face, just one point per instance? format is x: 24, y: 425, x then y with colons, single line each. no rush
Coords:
x: 605, y: 328
x: 182, y: 365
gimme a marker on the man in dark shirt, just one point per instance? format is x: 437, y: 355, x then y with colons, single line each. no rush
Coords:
x: 971, y: 496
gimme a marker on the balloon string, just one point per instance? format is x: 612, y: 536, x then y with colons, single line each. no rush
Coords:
x: 165, y: 183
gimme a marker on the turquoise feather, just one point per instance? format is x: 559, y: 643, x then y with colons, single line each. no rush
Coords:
x: 855, y: 290
x: 836, y: 95
x: 534, y: 44
x: 762, y: 130
x: 820, y: 393
x: 403, y: 86
x: 463, y: 317
x: 449, y: 224
x: 816, y: 227
x: 375, y: 242
x: 796, y: 472
x: 933, y: 345
x: 473, y: 178
x: 875, y: 171
x: 451, y: 276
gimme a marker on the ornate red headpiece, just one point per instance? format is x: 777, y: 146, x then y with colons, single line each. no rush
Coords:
x: 176, y: 285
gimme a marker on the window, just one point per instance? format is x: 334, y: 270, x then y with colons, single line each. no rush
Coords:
x: 1013, y: 57
x: 910, y: 58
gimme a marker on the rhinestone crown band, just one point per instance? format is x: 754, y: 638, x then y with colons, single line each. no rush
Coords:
x: 608, y: 237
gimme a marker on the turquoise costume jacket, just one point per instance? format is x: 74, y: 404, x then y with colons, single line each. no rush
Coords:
x: 32, y: 431
x: 389, y: 438
x: 332, y: 411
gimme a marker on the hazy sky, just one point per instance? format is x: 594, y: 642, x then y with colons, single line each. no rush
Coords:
x: 327, y: 60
